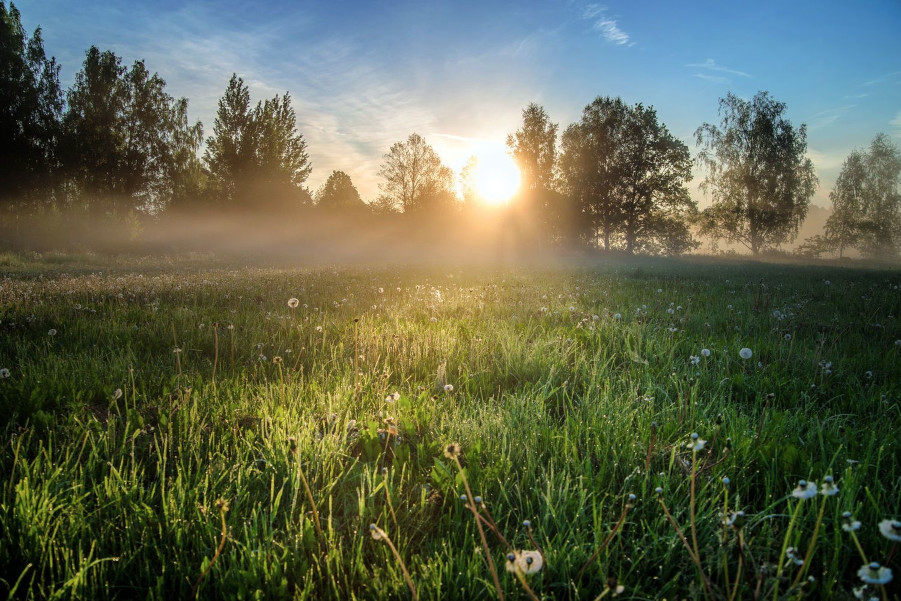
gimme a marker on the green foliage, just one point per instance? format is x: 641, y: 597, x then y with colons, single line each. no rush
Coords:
x: 866, y: 203
x: 338, y: 194
x: 32, y: 102
x: 256, y: 157
x: 127, y: 144
x: 557, y: 377
x: 758, y: 175
x: 415, y: 180
x: 628, y: 176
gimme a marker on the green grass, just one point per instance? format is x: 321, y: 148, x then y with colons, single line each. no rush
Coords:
x: 553, y: 403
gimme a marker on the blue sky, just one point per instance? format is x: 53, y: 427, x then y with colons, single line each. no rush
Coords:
x: 366, y: 74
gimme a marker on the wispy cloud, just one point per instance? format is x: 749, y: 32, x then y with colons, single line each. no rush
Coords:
x: 606, y: 26
x: 710, y: 65
x: 713, y: 78
x: 826, y: 161
x: 896, y: 123
x: 854, y: 96
x: 827, y: 117
x: 893, y: 77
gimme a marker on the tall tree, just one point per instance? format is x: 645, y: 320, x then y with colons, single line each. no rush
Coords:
x: 128, y: 144
x: 282, y: 163
x: 31, y: 103
x: 534, y: 149
x: 652, y: 184
x: 628, y: 175
x: 96, y: 132
x: 415, y: 178
x: 843, y: 227
x: 338, y: 194
x: 866, y: 204
x: 256, y: 157
x: 229, y: 155
x: 587, y: 168
x: 757, y: 174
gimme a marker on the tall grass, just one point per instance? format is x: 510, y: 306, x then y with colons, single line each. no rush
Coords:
x: 223, y: 472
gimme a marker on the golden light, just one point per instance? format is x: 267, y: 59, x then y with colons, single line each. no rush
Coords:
x: 496, y: 177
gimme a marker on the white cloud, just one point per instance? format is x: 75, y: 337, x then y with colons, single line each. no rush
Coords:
x: 608, y: 28
x: 711, y: 65
x: 827, y: 117
x: 713, y: 78
x: 893, y: 76
x: 896, y: 123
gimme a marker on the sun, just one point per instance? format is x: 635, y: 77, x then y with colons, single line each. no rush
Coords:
x: 496, y: 177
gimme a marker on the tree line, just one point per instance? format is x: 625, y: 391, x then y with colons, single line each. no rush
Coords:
x: 116, y: 143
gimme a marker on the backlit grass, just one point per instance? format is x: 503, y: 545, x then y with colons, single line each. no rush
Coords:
x: 158, y: 442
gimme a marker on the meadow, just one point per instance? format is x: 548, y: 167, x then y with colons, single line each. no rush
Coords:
x: 184, y: 428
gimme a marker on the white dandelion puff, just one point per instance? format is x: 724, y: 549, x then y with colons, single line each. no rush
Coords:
x: 873, y: 573
x: 890, y: 529
x: 805, y: 490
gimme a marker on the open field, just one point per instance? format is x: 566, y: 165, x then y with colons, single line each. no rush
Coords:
x: 173, y: 428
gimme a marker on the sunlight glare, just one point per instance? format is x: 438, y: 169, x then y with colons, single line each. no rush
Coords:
x: 496, y: 176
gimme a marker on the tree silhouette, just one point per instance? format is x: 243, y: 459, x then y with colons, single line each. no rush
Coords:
x: 590, y: 170
x: 415, y: 179
x: 757, y: 173
x: 127, y: 143
x: 32, y: 103
x: 866, y: 203
x: 534, y: 149
x: 652, y: 188
x: 256, y: 157
x: 339, y: 195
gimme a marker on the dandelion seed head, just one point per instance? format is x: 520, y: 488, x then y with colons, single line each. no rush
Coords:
x: 875, y: 574
x: 117, y: 394
x: 705, y: 352
x: 293, y: 302
x: 4, y: 373
x: 745, y: 353
x: 452, y: 451
x: 51, y: 332
x: 524, y: 562
x: 890, y: 529
x: 448, y: 388
x: 805, y: 490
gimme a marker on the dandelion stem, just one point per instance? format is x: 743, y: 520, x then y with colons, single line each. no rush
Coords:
x: 306, y: 486
x: 489, y: 521
x: 741, y: 562
x: 604, y: 544
x: 811, y: 545
x: 403, y: 568
x: 522, y: 580
x: 470, y: 503
x: 647, y: 461
x: 692, y: 504
x: 863, y: 555
x: 788, y: 533
x: 215, y: 350
x: 388, y: 497
x: 691, y: 553
x: 223, y: 509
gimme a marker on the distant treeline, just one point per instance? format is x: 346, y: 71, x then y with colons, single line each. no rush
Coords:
x: 115, y: 153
